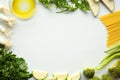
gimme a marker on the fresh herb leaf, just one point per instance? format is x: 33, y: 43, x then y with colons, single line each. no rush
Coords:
x: 84, y: 6
x: 12, y: 67
x: 67, y: 6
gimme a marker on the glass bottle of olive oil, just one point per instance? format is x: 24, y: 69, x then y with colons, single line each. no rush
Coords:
x: 23, y: 9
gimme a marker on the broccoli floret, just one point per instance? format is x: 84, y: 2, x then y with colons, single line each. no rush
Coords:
x: 89, y: 72
x: 106, y: 77
x: 115, y: 69
x: 95, y: 78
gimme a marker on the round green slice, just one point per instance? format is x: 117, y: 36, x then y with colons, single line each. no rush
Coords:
x: 39, y: 74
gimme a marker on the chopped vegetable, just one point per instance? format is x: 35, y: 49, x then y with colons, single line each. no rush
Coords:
x: 115, y: 70
x: 94, y: 7
x: 53, y: 78
x: 4, y: 30
x: 5, y: 41
x: 4, y: 10
x: 75, y: 76
x: 113, y: 52
x: 109, y: 4
x: 39, y: 75
x: 12, y: 67
x: 89, y: 72
x: 106, y: 77
x: 96, y: 0
x: 60, y: 76
x: 107, y: 61
x: 67, y: 6
x: 69, y: 78
x: 95, y: 78
x: 9, y: 21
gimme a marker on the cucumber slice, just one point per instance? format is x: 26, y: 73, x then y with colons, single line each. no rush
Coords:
x: 39, y: 74
x: 62, y: 76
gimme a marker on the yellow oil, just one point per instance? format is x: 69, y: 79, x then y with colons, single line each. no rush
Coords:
x: 23, y: 9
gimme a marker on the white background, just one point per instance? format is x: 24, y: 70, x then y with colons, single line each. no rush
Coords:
x: 58, y: 42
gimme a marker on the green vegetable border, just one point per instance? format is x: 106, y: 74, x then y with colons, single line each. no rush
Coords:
x: 15, y: 68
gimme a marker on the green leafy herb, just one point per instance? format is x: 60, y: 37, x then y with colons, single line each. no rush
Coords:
x: 67, y: 6
x: 12, y: 67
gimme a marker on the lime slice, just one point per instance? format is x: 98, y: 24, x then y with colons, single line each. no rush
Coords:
x: 69, y: 78
x: 61, y: 76
x: 96, y: 0
x: 53, y: 78
x: 39, y: 74
x: 76, y: 76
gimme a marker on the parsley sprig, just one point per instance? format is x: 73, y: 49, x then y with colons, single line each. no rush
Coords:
x: 12, y: 67
x: 67, y: 5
